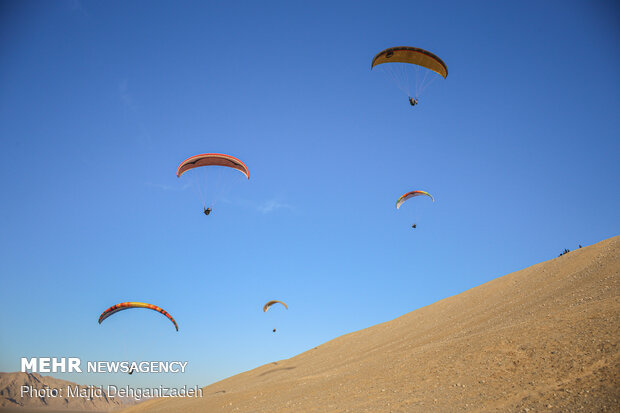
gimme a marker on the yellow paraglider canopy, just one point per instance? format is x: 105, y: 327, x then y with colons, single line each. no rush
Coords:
x: 272, y: 302
x: 413, y: 55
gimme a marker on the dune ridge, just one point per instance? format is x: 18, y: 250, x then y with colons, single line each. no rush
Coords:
x: 542, y: 338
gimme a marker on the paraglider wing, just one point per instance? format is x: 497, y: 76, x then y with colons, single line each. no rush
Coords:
x: 413, y: 55
x: 207, y: 159
x: 272, y: 302
x: 411, y: 194
x: 125, y: 306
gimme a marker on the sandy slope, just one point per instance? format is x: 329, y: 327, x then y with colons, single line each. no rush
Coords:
x: 40, y: 410
x: 11, y: 399
x: 543, y: 338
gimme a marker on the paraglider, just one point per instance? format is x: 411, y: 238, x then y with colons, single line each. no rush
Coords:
x: 409, y: 68
x: 126, y: 306
x: 410, y: 195
x: 268, y: 305
x: 210, y: 159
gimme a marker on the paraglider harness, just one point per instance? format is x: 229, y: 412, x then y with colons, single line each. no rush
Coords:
x: 207, y: 211
x: 413, y: 101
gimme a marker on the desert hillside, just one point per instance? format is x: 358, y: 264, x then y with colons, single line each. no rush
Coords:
x: 543, y: 338
x: 11, y: 398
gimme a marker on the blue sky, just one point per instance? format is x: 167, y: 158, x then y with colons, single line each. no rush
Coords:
x: 100, y: 101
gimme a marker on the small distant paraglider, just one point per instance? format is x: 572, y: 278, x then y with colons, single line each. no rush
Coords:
x: 409, y: 195
x: 268, y: 305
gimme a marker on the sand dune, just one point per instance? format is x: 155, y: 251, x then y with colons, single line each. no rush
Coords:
x: 543, y: 338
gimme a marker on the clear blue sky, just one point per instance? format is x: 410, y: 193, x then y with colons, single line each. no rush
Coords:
x: 100, y: 101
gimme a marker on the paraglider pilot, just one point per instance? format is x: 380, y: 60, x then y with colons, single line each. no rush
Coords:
x: 413, y: 101
x: 207, y: 211
x: 414, y: 226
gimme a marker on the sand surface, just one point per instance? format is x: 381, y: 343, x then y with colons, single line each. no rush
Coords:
x: 40, y: 410
x: 12, y: 400
x: 541, y: 339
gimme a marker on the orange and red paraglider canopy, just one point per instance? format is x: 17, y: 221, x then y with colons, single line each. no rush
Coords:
x: 132, y: 304
x: 212, y: 159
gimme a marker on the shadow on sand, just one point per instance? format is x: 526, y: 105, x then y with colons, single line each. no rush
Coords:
x: 274, y: 370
